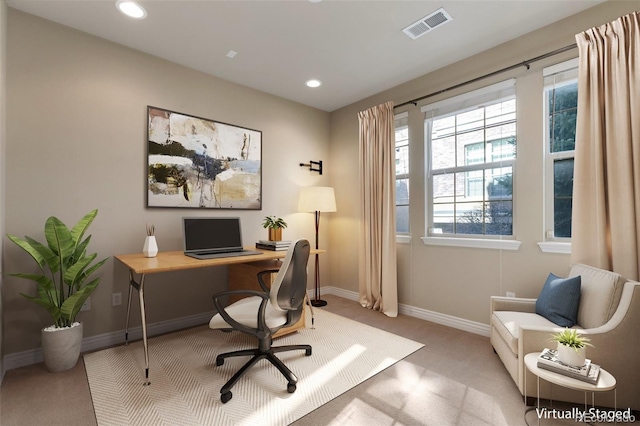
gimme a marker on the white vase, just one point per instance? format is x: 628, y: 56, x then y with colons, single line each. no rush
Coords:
x: 61, y: 347
x: 150, y: 248
x: 571, y: 356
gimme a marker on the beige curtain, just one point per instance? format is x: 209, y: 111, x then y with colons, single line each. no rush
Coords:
x: 378, y: 284
x: 606, y: 189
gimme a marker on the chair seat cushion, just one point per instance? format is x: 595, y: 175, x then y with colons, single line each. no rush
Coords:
x: 245, y: 311
x: 559, y: 300
x: 507, y: 324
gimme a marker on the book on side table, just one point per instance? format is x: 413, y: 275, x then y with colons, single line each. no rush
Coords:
x: 589, y: 372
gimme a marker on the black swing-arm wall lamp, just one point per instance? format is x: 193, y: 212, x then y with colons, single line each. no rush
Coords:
x: 314, y: 166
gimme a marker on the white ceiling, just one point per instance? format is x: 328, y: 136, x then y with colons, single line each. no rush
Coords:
x: 357, y: 48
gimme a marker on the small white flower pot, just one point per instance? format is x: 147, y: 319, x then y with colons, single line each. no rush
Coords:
x: 150, y: 248
x: 571, y: 356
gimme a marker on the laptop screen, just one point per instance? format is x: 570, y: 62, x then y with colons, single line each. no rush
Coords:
x: 211, y: 233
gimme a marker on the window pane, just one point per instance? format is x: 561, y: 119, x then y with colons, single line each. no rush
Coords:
x: 562, y: 197
x: 443, y: 153
x: 469, y: 218
x: 402, y: 219
x: 443, y: 217
x: 443, y: 188
x: 563, y: 109
x: 500, y: 183
x: 499, y: 218
x: 402, y: 160
x: 402, y: 192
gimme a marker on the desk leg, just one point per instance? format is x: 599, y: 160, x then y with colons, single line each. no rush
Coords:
x: 144, y: 331
x: 140, y: 288
x: 132, y: 283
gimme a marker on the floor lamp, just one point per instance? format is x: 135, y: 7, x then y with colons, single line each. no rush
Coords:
x: 317, y: 199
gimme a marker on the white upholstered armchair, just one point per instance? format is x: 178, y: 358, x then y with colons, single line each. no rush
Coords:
x: 609, y: 313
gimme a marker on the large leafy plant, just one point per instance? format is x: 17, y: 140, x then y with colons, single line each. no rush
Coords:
x: 64, y: 266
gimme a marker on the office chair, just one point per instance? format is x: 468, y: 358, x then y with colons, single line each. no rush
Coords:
x: 263, y: 313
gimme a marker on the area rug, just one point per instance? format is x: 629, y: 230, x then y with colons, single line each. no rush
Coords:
x: 185, y: 382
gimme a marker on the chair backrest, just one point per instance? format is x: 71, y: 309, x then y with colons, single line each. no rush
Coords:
x: 600, y: 293
x: 290, y: 286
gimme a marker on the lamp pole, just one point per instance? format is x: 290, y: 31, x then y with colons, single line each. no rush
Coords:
x: 316, y: 299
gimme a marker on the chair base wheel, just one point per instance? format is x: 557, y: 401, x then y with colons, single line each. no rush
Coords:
x: 225, y: 397
x: 291, y: 387
x: 219, y: 361
x: 307, y: 352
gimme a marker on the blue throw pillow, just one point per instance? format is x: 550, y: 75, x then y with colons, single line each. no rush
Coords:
x: 559, y: 300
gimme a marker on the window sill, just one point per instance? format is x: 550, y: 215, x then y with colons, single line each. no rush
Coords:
x: 555, y: 247
x: 403, y: 239
x: 472, y: 242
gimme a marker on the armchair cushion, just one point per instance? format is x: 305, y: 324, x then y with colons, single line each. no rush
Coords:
x: 507, y: 325
x: 559, y: 300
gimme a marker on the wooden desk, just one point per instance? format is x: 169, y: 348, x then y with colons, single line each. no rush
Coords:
x: 240, y: 276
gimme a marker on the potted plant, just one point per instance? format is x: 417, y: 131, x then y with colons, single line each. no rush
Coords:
x: 61, y: 285
x: 571, y: 347
x: 275, y: 226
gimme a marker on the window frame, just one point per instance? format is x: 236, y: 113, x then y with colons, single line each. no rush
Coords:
x: 550, y: 242
x: 454, y: 106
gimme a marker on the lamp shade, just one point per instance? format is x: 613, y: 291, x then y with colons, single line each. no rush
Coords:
x: 317, y: 199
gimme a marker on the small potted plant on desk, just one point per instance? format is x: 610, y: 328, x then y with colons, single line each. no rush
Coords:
x: 571, y: 347
x: 64, y: 267
x: 275, y: 226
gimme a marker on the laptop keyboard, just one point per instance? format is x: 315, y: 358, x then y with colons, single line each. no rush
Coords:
x: 217, y: 255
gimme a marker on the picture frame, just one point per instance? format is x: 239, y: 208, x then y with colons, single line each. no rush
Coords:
x: 195, y: 162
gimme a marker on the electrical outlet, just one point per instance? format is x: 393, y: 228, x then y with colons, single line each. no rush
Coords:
x: 116, y: 299
x: 86, y: 305
x: 511, y: 294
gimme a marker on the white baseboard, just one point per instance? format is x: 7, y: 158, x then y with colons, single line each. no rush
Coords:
x: 424, y: 314
x: 34, y: 356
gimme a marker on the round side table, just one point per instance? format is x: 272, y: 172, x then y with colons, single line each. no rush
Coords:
x: 606, y: 382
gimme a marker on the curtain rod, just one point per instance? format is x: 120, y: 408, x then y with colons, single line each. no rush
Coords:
x: 491, y: 74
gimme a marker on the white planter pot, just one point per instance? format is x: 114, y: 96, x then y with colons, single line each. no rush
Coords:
x: 150, y: 248
x: 570, y: 356
x: 61, y: 347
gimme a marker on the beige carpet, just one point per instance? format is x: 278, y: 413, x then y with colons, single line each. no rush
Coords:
x: 185, y: 383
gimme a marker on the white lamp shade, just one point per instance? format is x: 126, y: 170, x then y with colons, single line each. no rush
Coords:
x: 317, y: 199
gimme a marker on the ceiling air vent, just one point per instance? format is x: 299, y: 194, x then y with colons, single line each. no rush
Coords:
x: 428, y: 23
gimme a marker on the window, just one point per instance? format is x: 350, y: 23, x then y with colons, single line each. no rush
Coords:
x: 471, y: 152
x: 560, y: 110
x: 402, y: 173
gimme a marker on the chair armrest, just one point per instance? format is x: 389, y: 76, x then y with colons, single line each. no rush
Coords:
x: 235, y: 324
x: 266, y: 287
x: 517, y: 304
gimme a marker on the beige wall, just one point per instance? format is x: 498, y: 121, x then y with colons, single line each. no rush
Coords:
x: 76, y: 141
x: 459, y: 281
x: 3, y: 86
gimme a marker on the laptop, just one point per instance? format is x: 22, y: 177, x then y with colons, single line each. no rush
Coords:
x: 213, y: 237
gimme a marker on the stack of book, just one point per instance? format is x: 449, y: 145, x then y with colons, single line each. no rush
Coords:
x: 273, y: 245
x: 589, y: 372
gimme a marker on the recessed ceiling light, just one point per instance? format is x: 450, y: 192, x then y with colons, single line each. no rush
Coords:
x: 131, y: 9
x: 313, y: 83
x: 315, y: 1
x: 231, y: 54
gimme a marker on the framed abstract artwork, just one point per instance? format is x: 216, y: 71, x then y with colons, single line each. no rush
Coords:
x: 195, y: 162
